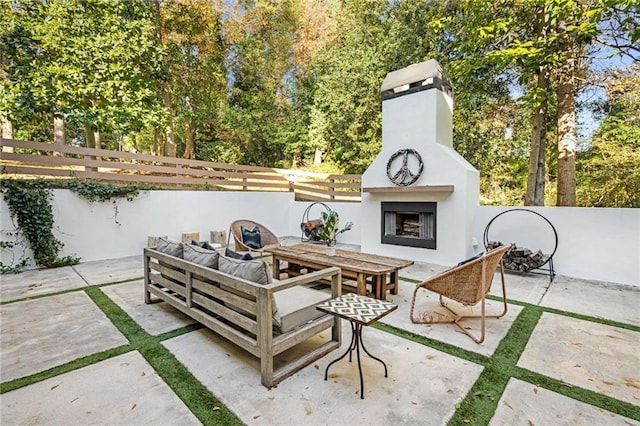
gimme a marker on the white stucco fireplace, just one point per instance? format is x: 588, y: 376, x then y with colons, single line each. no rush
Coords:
x: 419, y: 187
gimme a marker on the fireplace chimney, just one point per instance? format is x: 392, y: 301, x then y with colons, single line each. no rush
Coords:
x: 417, y: 164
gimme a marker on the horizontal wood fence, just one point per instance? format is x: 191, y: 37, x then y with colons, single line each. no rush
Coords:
x: 24, y: 159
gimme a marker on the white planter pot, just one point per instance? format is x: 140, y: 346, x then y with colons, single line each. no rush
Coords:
x: 331, y: 251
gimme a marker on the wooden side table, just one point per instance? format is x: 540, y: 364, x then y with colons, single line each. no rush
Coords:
x: 360, y: 311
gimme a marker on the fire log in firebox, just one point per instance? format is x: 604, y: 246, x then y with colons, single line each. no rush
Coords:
x: 520, y: 258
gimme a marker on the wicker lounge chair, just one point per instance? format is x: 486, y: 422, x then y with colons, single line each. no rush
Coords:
x: 267, y: 237
x: 468, y: 284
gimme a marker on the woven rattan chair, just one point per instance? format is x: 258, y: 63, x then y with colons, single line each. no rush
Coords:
x: 468, y: 284
x: 268, y: 238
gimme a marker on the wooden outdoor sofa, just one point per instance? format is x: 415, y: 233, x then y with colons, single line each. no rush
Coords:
x: 242, y: 311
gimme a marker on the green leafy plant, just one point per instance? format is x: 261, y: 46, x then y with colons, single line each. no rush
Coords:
x: 331, y: 227
x: 29, y: 203
x: 13, y: 268
x: 97, y: 191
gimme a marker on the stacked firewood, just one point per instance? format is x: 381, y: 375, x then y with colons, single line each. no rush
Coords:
x: 520, y: 258
x: 311, y: 229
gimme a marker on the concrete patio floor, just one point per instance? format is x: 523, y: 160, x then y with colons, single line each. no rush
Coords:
x: 578, y: 363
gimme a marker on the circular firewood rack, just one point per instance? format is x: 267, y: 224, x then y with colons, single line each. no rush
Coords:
x: 550, y: 269
x: 310, y: 235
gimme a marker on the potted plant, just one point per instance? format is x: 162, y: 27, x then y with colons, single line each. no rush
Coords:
x: 331, y: 229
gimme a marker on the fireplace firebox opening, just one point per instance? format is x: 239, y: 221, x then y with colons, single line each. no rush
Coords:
x: 411, y: 224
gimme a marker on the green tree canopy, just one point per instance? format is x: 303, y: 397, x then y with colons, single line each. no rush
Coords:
x: 91, y: 62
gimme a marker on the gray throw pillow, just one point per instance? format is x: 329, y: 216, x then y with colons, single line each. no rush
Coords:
x: 230, y: 253
x: 170, y: 247
x: 201, y: 256
x: 207, y: 246
x: 250, y: 270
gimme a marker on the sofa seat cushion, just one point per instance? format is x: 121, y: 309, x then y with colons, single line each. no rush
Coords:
x: 297, y: 306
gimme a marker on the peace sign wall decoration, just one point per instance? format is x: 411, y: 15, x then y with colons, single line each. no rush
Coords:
x: 403, y: 175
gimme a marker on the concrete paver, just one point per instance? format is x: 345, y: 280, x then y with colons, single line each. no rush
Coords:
x: 156, y: 318
x: 123, y: 390
x: 525, y: 404
x: 51, y: 331
x: 36, y: 282
x: 601, y: 300
x: 422, y: 387
x: 111, y: 270
x: 594, y: 356
x: 421, y: 271
x: 529, y: 288
x: 496, y: 329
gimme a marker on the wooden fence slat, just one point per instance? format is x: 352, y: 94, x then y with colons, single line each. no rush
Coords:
x: 180, y: 171
x: 81, y: 151
x: 41, y: 159
x: 92, y: 163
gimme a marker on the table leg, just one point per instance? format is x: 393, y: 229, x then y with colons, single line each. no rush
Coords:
x: 362, y: 284
x: 352, y: 346
x: 368, y: 353
x: 356, y: 343
x: 394, y: 282
x: 380, y: 284
x: 276, y: 268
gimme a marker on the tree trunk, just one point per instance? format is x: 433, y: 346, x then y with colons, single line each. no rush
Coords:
x: 317, y: 158
x: 7, y: 132
x: 190, y: 148
x: 90, y: 136
x: 537, y: 157
x: 567, y: 141
x: 169, y: 147
x: 98, y: 142
x: 59, y: 131
x: 59, y: 134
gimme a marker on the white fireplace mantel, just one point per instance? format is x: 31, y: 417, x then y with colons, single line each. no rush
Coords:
x: 421, y: 188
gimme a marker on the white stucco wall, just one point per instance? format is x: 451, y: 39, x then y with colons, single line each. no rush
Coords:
x: 90, y: 230
x: 594, y: 243
x: 600, y: 244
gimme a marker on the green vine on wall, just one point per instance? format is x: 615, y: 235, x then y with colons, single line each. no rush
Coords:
x: 29, y: 202
x: 14, y: 267
x: 96, y: 191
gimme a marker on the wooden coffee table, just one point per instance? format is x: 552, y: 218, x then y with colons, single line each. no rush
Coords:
x: 354, y: 265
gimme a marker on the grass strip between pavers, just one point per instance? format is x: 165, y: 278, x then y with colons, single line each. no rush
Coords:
x: 64, y: 368
x: 477, y: 408
x: 481, y: 402
x: 71, y: 290
x: 188, y: 388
